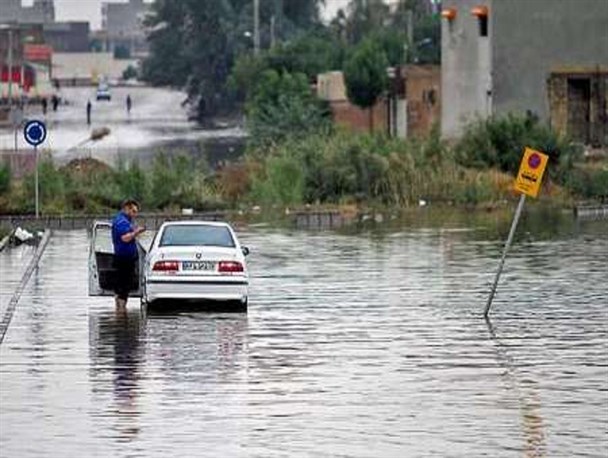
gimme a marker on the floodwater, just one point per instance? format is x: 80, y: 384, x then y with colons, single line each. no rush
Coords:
x: 362, y: 344
x: 157, y: 123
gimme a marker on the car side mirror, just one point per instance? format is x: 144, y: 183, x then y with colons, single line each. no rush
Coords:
x: 245, y: 251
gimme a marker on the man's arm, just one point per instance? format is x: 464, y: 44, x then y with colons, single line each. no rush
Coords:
x: 129, y: 236
x: 126, y: 232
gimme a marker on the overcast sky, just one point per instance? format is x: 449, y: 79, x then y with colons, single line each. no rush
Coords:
x: 90, y: 10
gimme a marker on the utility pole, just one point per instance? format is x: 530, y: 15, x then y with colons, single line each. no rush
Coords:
x: 256, y: 27
x: 272, y: 31
x: 10, y: 72
x: 410, y: 36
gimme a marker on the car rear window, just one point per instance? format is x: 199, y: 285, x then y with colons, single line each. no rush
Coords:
x: 197, y: 235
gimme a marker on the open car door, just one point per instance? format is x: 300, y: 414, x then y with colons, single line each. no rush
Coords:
x: 102, y: 275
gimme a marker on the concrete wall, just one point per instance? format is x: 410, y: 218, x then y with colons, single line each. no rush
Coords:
x: 508, y: 71
x: 330, y: 87
x: 466, y: 86
x: 533, y: 38
x: 88, y: 67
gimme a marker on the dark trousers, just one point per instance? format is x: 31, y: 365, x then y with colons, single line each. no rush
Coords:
x: 125, y: 271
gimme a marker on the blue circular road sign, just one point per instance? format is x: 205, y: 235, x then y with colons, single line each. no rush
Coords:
x: 34, y: 132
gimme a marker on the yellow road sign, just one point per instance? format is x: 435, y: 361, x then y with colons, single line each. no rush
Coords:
x: 531, y: 172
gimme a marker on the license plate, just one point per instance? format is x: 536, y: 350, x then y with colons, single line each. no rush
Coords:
x: 198, y: 265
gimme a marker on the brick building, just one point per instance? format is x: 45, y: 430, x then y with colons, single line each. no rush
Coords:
x: 410, y: 108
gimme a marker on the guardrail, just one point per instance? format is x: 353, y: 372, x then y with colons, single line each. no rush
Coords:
x: 591, y: 211
x: 12, y: 305
x: 151, y: 221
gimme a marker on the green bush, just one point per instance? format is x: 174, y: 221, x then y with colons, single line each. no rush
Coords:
x: 500, y: 142
x: 589, y: 183
x: 171, y: 183
x: 283, y: 183
x: 340, y: 167
x: 5, y: 178
x: 283, y: 106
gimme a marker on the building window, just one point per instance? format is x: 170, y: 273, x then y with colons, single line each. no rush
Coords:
x: 483, y: 26
x: 481, y: 13
x: 429, y: 97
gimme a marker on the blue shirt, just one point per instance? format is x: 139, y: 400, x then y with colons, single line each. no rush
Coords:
x: 121, y: 225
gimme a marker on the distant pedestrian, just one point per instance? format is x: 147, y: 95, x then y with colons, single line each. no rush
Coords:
x: 55, y: 102
x: 129, y: 103
x: 44, y: 105
x: 126, y: 256
x: 89, y: 108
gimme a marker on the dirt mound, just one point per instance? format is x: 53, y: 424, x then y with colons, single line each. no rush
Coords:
x: 86, y: 165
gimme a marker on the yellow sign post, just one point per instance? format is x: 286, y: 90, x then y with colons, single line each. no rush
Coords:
x: 531, y: 172
x: 528, y: 182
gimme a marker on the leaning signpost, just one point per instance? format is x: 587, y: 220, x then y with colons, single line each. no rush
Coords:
x: 35, y: 134
x: 528, y: 183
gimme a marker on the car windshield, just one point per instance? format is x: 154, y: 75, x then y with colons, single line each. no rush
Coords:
x: 197, y: 235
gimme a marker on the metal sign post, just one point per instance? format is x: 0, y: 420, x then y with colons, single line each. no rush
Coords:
x: 528, y: 182
x: 34, y: 133
x: 520, y: 207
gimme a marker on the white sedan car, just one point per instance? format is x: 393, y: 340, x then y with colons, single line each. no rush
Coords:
x: 196, y: 260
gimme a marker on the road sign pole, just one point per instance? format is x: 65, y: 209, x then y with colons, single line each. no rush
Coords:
x: 37, y: 191
x: 35, y: 134
x: 520, y: 207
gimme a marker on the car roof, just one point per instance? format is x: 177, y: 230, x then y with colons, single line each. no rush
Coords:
x: 195, y: 223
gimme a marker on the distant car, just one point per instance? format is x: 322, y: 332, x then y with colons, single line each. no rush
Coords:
x: 196, y: 260
x: 103, y: 92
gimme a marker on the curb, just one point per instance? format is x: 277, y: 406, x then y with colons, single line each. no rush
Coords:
x: 10, y: 311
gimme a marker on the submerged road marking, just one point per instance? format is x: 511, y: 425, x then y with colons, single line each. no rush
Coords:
x: 10, y: 311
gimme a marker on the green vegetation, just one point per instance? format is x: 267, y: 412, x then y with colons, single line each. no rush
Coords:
x: 206, y: 46
x: 129, y: 73
x: 88, y: 186
x: 282, y: 106
x: 498, y: 143
x: 365, y: 76
x: 5, y: 178
x: 342, y: 168
x: 194, y: 43
x: 323, y: 167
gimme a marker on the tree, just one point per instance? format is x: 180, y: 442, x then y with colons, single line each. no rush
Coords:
x: 129, y: 73
x: 365, y: 76
x: 365, y: 16
x: 283, y: 105
x: 194, y: 43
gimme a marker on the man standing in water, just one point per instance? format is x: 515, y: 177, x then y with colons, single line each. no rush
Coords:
x: 124, y: 238
x: 89, y: 108
x: 129, y: 104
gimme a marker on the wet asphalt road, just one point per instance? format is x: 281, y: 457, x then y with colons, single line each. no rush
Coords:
x: 369, y: 344
x: 158, y: 122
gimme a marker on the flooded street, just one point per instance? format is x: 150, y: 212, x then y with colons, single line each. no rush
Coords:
x: 158, y: 122
x: 359, y: 344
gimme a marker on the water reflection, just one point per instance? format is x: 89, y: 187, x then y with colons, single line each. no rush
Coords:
x: 197, y: 345
x: 116, y: 356
x: 527, y: 393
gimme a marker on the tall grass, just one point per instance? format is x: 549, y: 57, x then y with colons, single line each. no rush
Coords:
x: 92, y: 187
x: 343, y: 168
